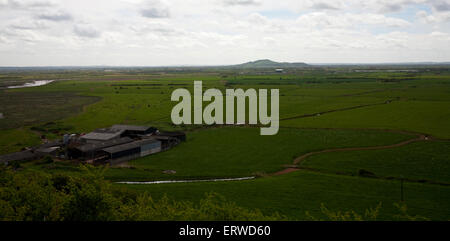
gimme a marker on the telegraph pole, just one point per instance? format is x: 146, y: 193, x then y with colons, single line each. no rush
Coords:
x: 401, y: 190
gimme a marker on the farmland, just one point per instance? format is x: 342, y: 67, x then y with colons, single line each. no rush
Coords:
x: 320, y: 109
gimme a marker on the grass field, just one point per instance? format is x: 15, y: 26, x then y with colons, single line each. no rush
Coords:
x: 421, y: 116
x: 28, y: 108
x: 218, y: 152
x: 418, y: 161
x: 320, y: 109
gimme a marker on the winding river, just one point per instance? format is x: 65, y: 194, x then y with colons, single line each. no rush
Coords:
x: 189, y: 181
x: 35, y: 83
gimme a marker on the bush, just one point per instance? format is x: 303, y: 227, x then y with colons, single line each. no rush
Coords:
x: 34, y: 196
x: 365, y: 173
x: 45, y: 160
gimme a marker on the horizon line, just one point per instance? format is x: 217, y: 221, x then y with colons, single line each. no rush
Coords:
x: 224, y: 65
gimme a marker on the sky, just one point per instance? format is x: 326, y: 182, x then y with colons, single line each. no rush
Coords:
x: 221, y: 32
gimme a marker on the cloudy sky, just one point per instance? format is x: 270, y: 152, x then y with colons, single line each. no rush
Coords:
x: 213, y: 32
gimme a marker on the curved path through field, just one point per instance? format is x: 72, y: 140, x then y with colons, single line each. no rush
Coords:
x: 298, y: 160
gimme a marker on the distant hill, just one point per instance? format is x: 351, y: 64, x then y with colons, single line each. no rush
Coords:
x: 266, y: 63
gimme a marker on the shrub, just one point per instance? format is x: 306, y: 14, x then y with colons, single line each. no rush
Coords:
x: 34, y: 196
x: 365, y: 173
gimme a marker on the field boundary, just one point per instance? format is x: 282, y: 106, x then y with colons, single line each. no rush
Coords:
x: 337, y: 110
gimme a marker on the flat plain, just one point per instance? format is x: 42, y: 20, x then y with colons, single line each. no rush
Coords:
x: 359, y: 124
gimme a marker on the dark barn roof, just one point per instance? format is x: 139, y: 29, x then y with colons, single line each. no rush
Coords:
x: 98, y: 146
x: 163, y: 137
x: 17, y: 156
x: 129, y: 146
x: 132, y: 128
x: 171, y: 133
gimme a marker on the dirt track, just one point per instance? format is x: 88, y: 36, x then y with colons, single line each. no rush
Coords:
x: 298, y: 160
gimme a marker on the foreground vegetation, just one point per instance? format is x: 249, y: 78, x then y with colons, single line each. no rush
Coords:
x: 33, y: 196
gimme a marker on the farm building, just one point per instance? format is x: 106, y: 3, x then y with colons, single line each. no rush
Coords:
x: 49, y: 144
x: 116, y: 132
x: 167, y: 142
x: 116, y: 144
x: 135, y: 130
x: 101, y: 135
x: 132, y: 150
x: 181, y: 136
x: 91, y: 151
x: 18, y: 156
x: 48, y: 150
x: 169, y: 139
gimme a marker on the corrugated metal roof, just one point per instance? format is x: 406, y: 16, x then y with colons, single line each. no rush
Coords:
x: 98, y: 146
x: 47, y: 150
x: 103, y: 134
x: 129, y: 146
x: 107, y: 130
x: 51, y: 144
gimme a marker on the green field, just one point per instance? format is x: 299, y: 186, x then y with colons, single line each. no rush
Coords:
x: 319, y: 109
x: 218, y: 152
x: 417, y: 161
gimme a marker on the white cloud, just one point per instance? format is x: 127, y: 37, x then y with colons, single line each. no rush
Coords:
x: 55, y: 16
x: 86, y: 31
x: 155, y: 9
x: 433, y: 18
x: 25, y: 4
x: 347, y: 20
x: 190, y: 32
x: 322, y: 5
x: 241, y: 2
x: 441, y: 5
x: 28, y: 24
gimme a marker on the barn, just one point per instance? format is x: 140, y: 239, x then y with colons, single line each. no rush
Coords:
x: 18, y: 156
x: 102, y: 135
x: 181, y: 136
x: 129, y: 151
x: 131, y: 130
x: 94, y: 150
x: 116, y: 144
x: 167, y: 142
